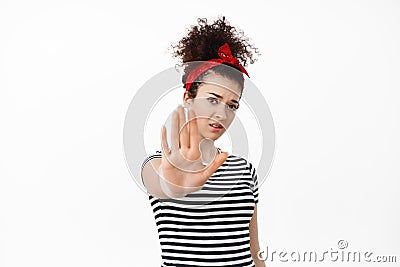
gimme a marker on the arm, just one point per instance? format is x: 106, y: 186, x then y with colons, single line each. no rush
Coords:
x: 151, y: 180
x: 179, y: 171
x: 254, y: 244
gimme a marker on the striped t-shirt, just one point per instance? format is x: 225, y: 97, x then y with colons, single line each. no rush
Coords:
x: 209, y: 227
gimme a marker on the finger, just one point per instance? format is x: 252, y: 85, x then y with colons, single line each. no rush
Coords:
x: 164, y: 141
x: 175, y: 131
x: 217, y: 162
x: 183, y: 134
x: 193, y: 130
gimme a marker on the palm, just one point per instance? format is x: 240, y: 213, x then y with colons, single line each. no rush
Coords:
x: 182, y: 166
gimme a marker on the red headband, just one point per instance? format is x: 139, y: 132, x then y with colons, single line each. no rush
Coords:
x: 225, y: 54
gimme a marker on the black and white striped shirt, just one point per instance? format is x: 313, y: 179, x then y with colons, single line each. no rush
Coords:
x: 209, y: 227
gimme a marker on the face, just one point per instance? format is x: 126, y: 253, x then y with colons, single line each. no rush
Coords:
x: 215, y: 105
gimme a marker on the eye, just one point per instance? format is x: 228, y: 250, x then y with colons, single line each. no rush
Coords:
x: 233, y: 107
x: 212, y: 100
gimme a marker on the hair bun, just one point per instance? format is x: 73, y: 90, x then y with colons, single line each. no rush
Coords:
x: 203, y: 41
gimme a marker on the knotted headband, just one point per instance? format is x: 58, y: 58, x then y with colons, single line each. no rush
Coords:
x: 225, y: 56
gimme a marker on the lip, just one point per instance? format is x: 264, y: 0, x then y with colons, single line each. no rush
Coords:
x: 216, y: 129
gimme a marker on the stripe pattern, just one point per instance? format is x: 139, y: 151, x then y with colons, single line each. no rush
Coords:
x: 209, y: 227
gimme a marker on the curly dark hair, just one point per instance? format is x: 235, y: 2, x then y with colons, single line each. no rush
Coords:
x: 202, y: 43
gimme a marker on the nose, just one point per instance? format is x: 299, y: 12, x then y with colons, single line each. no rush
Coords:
x: 220, y: 112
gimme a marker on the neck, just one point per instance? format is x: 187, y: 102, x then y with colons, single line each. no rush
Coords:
x: 208, y: 150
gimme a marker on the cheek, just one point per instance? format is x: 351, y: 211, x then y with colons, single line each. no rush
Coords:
x: 202, y: 122
x: 228, y: 124
x: 230, y: 116
x: 201, y: 110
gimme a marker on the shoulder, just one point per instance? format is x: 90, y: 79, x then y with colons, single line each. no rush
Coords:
x: 155, y: 155
x: 237, y: 160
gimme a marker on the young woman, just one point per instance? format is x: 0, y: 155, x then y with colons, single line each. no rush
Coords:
x: 205, y: 200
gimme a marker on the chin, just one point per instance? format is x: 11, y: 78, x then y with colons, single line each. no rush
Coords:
x: 213, y: 136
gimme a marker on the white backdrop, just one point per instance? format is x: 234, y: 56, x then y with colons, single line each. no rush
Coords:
x: 68, y: 71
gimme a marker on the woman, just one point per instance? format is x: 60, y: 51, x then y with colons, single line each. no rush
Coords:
x: 205, y: 200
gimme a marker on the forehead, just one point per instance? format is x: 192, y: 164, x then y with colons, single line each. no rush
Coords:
x: 220, y: 85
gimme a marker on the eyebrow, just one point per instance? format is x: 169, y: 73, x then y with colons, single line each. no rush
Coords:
x: 218, y: 96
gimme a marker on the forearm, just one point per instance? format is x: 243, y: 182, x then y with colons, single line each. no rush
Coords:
x: 151, y: 182
x: 254, y: 244
x: 157, y: 186
x: 254, y: 254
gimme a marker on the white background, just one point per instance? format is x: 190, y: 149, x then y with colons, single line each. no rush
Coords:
x: 68, y: 71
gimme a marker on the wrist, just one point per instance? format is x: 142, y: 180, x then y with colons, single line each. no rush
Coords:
x: 166, y: 187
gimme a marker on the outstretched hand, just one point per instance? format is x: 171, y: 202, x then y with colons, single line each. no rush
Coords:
x: 181, y: 165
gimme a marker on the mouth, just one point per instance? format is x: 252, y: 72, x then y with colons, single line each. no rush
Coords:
x: 216, y: 126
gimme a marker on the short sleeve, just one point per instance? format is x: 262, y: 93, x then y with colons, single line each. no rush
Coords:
x: 254, y: 182
x: 157, y: 154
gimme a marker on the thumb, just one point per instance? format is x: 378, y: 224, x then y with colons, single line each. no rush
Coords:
x: 217, y: 162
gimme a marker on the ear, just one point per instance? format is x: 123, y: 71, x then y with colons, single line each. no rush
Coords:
x: 187, y: 101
